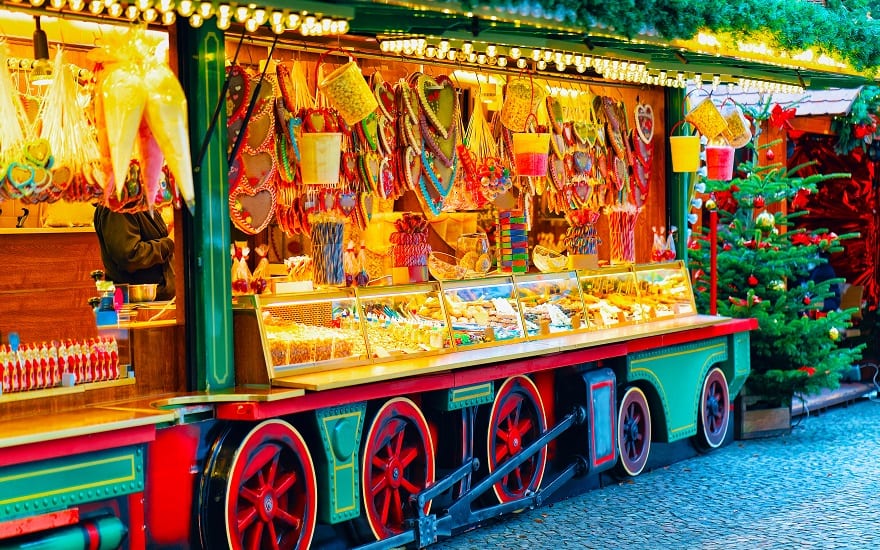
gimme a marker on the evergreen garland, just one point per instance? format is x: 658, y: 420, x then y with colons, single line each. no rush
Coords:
x: 860, y: 121
x: 842, y: 29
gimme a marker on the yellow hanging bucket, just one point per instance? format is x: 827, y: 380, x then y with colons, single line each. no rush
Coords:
x: 530, y: 152
x: 321, y: 154
x: 685, y: 152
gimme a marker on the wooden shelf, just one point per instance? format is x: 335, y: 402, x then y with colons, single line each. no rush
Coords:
x: 64, y: 390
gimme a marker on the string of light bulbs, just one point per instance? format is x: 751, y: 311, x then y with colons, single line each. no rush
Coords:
x: 196, y: 12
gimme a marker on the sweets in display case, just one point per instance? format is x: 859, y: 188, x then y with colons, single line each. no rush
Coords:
x: 482, y: 311
x: 665, y: 290
x: 611, y: 297
x: 403, y: 320
x: 551, y: 303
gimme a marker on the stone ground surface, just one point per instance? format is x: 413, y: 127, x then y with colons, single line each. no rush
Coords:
x: 818, y: 487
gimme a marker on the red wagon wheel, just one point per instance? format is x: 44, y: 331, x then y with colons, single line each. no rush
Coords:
x: 714, y: 411
x: 261, y: 487
x: 517, y: 419
x: 634, y: 431
x: 398, y: 461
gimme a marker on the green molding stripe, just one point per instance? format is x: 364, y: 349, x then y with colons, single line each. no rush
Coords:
x: 340, y: 429
x: 739, y: 364
x: 51, y: 485
x: 201, y: 59
x: 455, y: 399
x: 677, y: 373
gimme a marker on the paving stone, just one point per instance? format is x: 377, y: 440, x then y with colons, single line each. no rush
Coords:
x: 816, y: 488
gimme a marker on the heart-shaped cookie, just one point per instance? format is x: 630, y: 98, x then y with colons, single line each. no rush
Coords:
x: 258, y: 168
x: 371, y: 164
x: 438, y: 101
x: 348, y: 202
x: 260, y: 133
x: 369, y: 129
x: 320, y: 120
x: 252, y: 210
x: 557, y: 172
x: 406, y: 100
x: 581, y: 130
x: 412, y: 132
x: 62, y: 175
x: 285, y: 86
x: 366, y: 206
x: 238, y: 94
x: 582, y: 191
x: 411, y: 167
x: 386, y: 180
x: 582, y: 162
x: 555, y: 111
x: 38, y: 152
x: 21, y: 177
x: 385, y: 97
x: 645, y: 122
x: 387, y: 135
x: 557, y: 145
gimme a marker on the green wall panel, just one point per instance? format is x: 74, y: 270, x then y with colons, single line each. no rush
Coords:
x: 340, y: 429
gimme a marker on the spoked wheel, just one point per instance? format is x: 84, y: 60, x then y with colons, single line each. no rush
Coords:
x: 259, y: 490
x: 633, y: 432
x: 714, y: 412
x: 516, y: 420
x: 398, y: 461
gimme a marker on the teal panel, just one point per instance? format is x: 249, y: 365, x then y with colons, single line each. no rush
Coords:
x: 340, y: 429
x: 677, y: 373
x: 207, y: 233
x: 739, y: 364
x: 50, y: 485
x: 455, y: 399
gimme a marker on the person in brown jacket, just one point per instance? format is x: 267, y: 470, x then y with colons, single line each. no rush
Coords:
x: 136, y: 249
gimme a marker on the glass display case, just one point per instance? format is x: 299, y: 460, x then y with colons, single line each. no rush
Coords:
x: 665, y: 290
x: 611, y: 297
x: 551, y: 303
x: 483, y: 311
x: 403, y: 320
x: 300, y: 332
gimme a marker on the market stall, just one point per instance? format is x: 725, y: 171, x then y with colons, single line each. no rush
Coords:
x: 385, y: 222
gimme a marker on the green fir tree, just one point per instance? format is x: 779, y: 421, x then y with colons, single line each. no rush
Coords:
x: 763, y: 266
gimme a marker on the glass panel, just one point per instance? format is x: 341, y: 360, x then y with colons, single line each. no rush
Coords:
x: 611, y: 297
x: 483, y: 311
x: 551, y: 303
x: 665, y: 290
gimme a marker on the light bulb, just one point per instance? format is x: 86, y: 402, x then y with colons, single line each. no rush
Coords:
x: 57, y: 4
x: 515, y: 53
x: 467, y: 48
x: 96, y: 7
x: 260, y: 16
x: 143, y: 4
x: 196, y: 20
x: 206, y: 10
x: 186, y: 8
x: 251, y: 25
x: 242, y: 13
x: 132, y: 13
x: 542, y: 65
x: 491, y: 50
x: 276, y: 18
x: 169, y: 17
x: 292, y: 20
x: 115, y: 10
x: 502, y: 61
x: 521, y: 63
x: 150, y: 15
x: 165, y: 5
x: 77, y: 5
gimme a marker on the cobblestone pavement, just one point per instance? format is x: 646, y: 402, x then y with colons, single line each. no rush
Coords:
x: 818, y: 487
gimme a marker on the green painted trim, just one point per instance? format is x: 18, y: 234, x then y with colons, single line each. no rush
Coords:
x: 739, y: 364
x: 469, y: 396
x: 207, y: 233
x: 683, y: 368
x: 56, y: 484
x: 338, y: 476
x: 678, y: 185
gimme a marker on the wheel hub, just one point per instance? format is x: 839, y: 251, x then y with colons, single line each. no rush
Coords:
x: 631, y: 430
x: 394, y: 473
x: 267, y: 510
x: 713, y: 407
x: 514, y: 443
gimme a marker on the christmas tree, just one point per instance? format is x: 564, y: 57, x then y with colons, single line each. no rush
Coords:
x: 763, y: 268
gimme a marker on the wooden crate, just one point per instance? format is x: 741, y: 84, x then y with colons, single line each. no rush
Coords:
x: 754, y: 423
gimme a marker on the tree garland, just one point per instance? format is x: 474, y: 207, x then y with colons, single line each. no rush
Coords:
x: 859, y: 123
x: 843, y: 28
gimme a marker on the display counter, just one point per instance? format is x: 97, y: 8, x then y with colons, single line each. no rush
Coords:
x: 279, y: 336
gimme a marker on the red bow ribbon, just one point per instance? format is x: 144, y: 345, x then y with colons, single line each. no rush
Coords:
x: 781, y: 120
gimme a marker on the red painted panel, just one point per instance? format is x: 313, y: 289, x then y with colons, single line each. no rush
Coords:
x: 171, y: 469
x: 137, y: 539
x: 75, y: 445
x: 32, y: 524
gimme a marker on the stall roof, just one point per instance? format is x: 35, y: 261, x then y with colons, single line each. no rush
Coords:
x: 835, y: 101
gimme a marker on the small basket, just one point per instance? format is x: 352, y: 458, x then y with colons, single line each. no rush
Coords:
x: 738, y: 132
x: 521, y: 100
x: 347, y: 90
x: 547, y: 260
x: 707, y: 119
x: 719, y: 162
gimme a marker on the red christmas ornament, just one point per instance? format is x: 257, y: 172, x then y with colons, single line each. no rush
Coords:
x: 727, y: 247
x: 759, y: 201
x: 770, y: 154
x: 807, y: 300
x: 753, y: 281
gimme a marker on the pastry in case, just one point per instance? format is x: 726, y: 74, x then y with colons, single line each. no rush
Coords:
x: 483, y: 311
x: 665, y: 290
x: 300, y: 332
x: 611, y: 297
x: 403, y: 320
x: 551, y: 303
